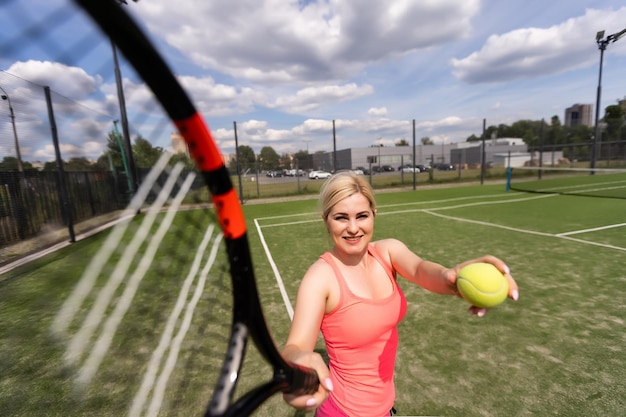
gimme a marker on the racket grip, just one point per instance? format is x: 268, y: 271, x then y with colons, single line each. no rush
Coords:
x: 304, y: 381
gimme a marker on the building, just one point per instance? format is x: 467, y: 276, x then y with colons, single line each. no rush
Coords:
x: 622, y: 104
x: 463, y: 153
x: 579, y: 114
x: 470, y: 153
x: 372, y: 156
x: 178, y: 143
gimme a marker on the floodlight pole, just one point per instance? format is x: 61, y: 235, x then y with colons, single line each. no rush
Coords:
x: 602, y: 44
x: 132, y: 169
x: 20, y: 166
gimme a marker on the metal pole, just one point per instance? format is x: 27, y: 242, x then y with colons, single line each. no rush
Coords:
x: 334, y: 149
x: 237, y: 163
x: 541, y: 138
x: 124, y: 121
x: 602, y: 43
x: 20, y: 166
x: 414, y: 161
x: 66, y: 206
x: 482, y: 156
x: 596, y: 134
x: 120, y: 143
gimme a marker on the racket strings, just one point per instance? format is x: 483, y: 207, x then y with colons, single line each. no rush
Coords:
x: 166, y: 251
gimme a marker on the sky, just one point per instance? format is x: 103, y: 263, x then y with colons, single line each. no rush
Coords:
x: 285, y: 70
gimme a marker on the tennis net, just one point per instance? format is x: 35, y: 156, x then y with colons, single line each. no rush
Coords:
x: 599, y: 182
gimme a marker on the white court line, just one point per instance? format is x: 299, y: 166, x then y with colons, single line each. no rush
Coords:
x: 417, y: 210
x: 274, y: 267
x: 532, y: 232
x: 170, y: 364
x: 575, y: 232
x: 432, y: 212
x: 412, y: 203
x: 166, y: 337
x: 279, y: 280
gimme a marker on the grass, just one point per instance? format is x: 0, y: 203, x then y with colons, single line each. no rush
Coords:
x: 557, y: 351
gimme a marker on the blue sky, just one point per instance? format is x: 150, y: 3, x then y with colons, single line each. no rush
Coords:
x: 284, y: 70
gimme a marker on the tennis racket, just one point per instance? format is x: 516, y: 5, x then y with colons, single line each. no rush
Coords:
x: 247, y: 319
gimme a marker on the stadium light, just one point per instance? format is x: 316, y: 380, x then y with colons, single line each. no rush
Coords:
x: 602, y: 44
x: 20, y: 166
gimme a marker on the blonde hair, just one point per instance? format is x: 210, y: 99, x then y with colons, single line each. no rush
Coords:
x: 342, y: 185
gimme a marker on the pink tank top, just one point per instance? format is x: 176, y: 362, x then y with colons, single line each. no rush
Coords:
x: 361, y: 339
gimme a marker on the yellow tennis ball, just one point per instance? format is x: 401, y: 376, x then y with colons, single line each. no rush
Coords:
x: 482, y: 285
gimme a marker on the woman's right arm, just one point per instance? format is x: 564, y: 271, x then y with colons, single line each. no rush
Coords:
x: 307, y: 319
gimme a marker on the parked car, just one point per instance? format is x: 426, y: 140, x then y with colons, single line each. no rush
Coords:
x: 318, y: 175
x: 408, y: 169
x: 358, y: 171
x: 444, y: 167
x: 422, y: 168
x: 294, y: 173
x: 387, y: 168
x: 274, y: 174
x: 364, y: 170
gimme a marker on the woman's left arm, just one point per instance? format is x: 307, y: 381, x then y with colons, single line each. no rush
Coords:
x: 433, y: 276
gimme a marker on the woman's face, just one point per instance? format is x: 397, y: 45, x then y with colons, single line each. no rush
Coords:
x: 351, y: 224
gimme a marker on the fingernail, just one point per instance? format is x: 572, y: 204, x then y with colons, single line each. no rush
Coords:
x: 311, y: 402
x: 481, y: 312
x: 329, y: 384
x: 515, y: 295
x: 507, y: 270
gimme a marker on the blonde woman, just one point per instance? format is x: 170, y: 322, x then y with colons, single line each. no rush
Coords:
x: 351, y: 295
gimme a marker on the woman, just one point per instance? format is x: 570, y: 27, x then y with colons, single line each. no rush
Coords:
x: 350, y: 293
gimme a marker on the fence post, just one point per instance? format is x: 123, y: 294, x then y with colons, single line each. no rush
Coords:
x: 66, y: 208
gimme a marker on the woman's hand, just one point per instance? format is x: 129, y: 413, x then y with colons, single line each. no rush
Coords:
x: 314, y: 361
x: 451, y: 277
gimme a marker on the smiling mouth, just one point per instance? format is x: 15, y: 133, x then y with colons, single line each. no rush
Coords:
x: 353, y: 238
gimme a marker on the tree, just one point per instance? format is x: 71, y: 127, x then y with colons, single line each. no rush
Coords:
x: 402, y: 142
x: 614, y: 119
x: 304, y: 160
x: 49, y: 166
x: 427, y: 141
x: 284, y: 162
x: 247, y: 159
x: 268, y: 159
x: 554, y: 134
x: 113, y: 149
x: 144, y: 153
x: 184, y: 159
x: 78, y: 164
x: 9, y: 163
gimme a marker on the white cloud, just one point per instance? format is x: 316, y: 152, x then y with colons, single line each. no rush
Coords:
x: 377, y: 112
x: 73, y: 82
x: 311, y: 98
x: 273, y: 41
x: 533, y: 52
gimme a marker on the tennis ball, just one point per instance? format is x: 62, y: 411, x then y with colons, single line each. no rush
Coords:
x: 482, y: 285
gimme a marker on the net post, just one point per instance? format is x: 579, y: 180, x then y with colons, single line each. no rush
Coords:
x: 508, y: 178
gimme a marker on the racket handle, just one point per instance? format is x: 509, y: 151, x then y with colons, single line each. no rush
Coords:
x: 302, y: 381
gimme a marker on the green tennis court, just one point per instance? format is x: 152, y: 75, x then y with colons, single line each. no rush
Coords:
x: 557, y: 351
